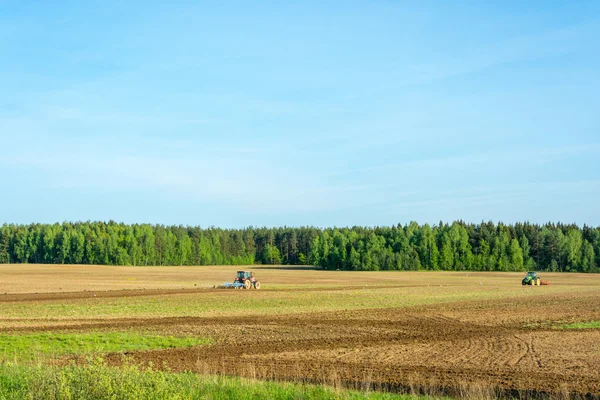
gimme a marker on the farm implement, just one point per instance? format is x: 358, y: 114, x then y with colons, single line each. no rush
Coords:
x: 244, y: 280
x: 533, y: 279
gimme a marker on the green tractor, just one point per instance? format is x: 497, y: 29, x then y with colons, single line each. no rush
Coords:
x: 531, y: 279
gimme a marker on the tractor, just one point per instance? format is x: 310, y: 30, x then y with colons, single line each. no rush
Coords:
x: 244, y: 280
x: 248, y: 279
x: 533, y: 279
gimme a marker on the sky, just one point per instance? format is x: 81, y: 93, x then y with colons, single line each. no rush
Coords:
x: 324, y: 113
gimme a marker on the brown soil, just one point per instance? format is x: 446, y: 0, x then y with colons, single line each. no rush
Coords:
x: 513, y: 346
x: 510, y: 343
x: 41, y: 278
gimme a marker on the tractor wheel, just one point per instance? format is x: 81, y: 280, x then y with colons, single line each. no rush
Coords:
x: 538, y: 281
x: 247, y: 284
x: 257, y: 285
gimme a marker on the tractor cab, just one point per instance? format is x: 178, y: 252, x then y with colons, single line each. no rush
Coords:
x: 531, y: 279
x: 243, y: 275
x: 247, y: 279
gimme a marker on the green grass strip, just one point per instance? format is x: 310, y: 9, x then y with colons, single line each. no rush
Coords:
x: 582, y: 325
x: 96, y: 381
x: 33, y: 346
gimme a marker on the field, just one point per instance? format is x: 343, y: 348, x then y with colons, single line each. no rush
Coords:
x: 455, y: 333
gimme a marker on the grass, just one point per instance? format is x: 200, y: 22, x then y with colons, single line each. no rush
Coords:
x: 581, y: 325
x: 22, y: 378
x: 264, y: 302
x: 96, y: 381
x: 28, y: 347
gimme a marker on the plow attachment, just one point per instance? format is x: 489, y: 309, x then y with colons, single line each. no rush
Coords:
x: 235, y: 285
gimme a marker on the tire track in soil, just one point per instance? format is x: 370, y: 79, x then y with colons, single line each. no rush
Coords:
x: 530, y: 353
x: 263, y: 347
x: 355, y: 374
x: 534, y: 353
x: 485, y: 355
x: 527, y: 350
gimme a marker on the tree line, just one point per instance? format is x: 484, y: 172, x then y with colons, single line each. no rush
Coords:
x: 458, y: 246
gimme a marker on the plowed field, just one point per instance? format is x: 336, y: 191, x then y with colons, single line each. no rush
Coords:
x: 395, y: 331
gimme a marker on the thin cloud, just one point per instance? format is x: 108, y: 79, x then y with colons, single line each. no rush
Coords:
x: 528, y: 155
x: 517, y: 49
x: 205, y: 179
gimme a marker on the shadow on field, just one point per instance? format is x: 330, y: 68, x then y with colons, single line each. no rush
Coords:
x: 288, y: 267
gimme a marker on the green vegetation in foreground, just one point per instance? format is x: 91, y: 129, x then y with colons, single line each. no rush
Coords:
x: 32, y: 346
x: 97, y: 381
x: 582, y: 325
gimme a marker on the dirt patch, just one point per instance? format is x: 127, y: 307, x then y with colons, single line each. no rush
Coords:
x: 393, y: 348
x: 43, y: 278
x: 60, y: 296
x: 485, y: 330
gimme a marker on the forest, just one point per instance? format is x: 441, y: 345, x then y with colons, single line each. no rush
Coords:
x: 458, y: 246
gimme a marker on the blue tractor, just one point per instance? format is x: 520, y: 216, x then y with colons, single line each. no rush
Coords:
x: 243, y: 280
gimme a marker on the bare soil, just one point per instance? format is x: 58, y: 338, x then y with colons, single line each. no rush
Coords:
x: 399, y: 348
x: 512, y: 344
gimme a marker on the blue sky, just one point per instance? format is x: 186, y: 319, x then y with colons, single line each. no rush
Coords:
x: 304, y: 113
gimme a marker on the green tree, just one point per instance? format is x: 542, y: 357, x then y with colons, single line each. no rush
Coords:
x: 302, y: 259
x: 4, y: 245
x: 446, y: 253
x: 21, y: 247
x: 515, y: 256
x: 483, y: 257
x: 456, y: 246
x: 354, y: 259
x: 427, y: 249
x: 411, y: 262
x: 271, y: 255
x: 48, y: 237
x: 588, y: 263
x: 315, y: 254
x: 570, y: 250
x: 77, y: 247
x: 184, y: 247
x: 528, y: 261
